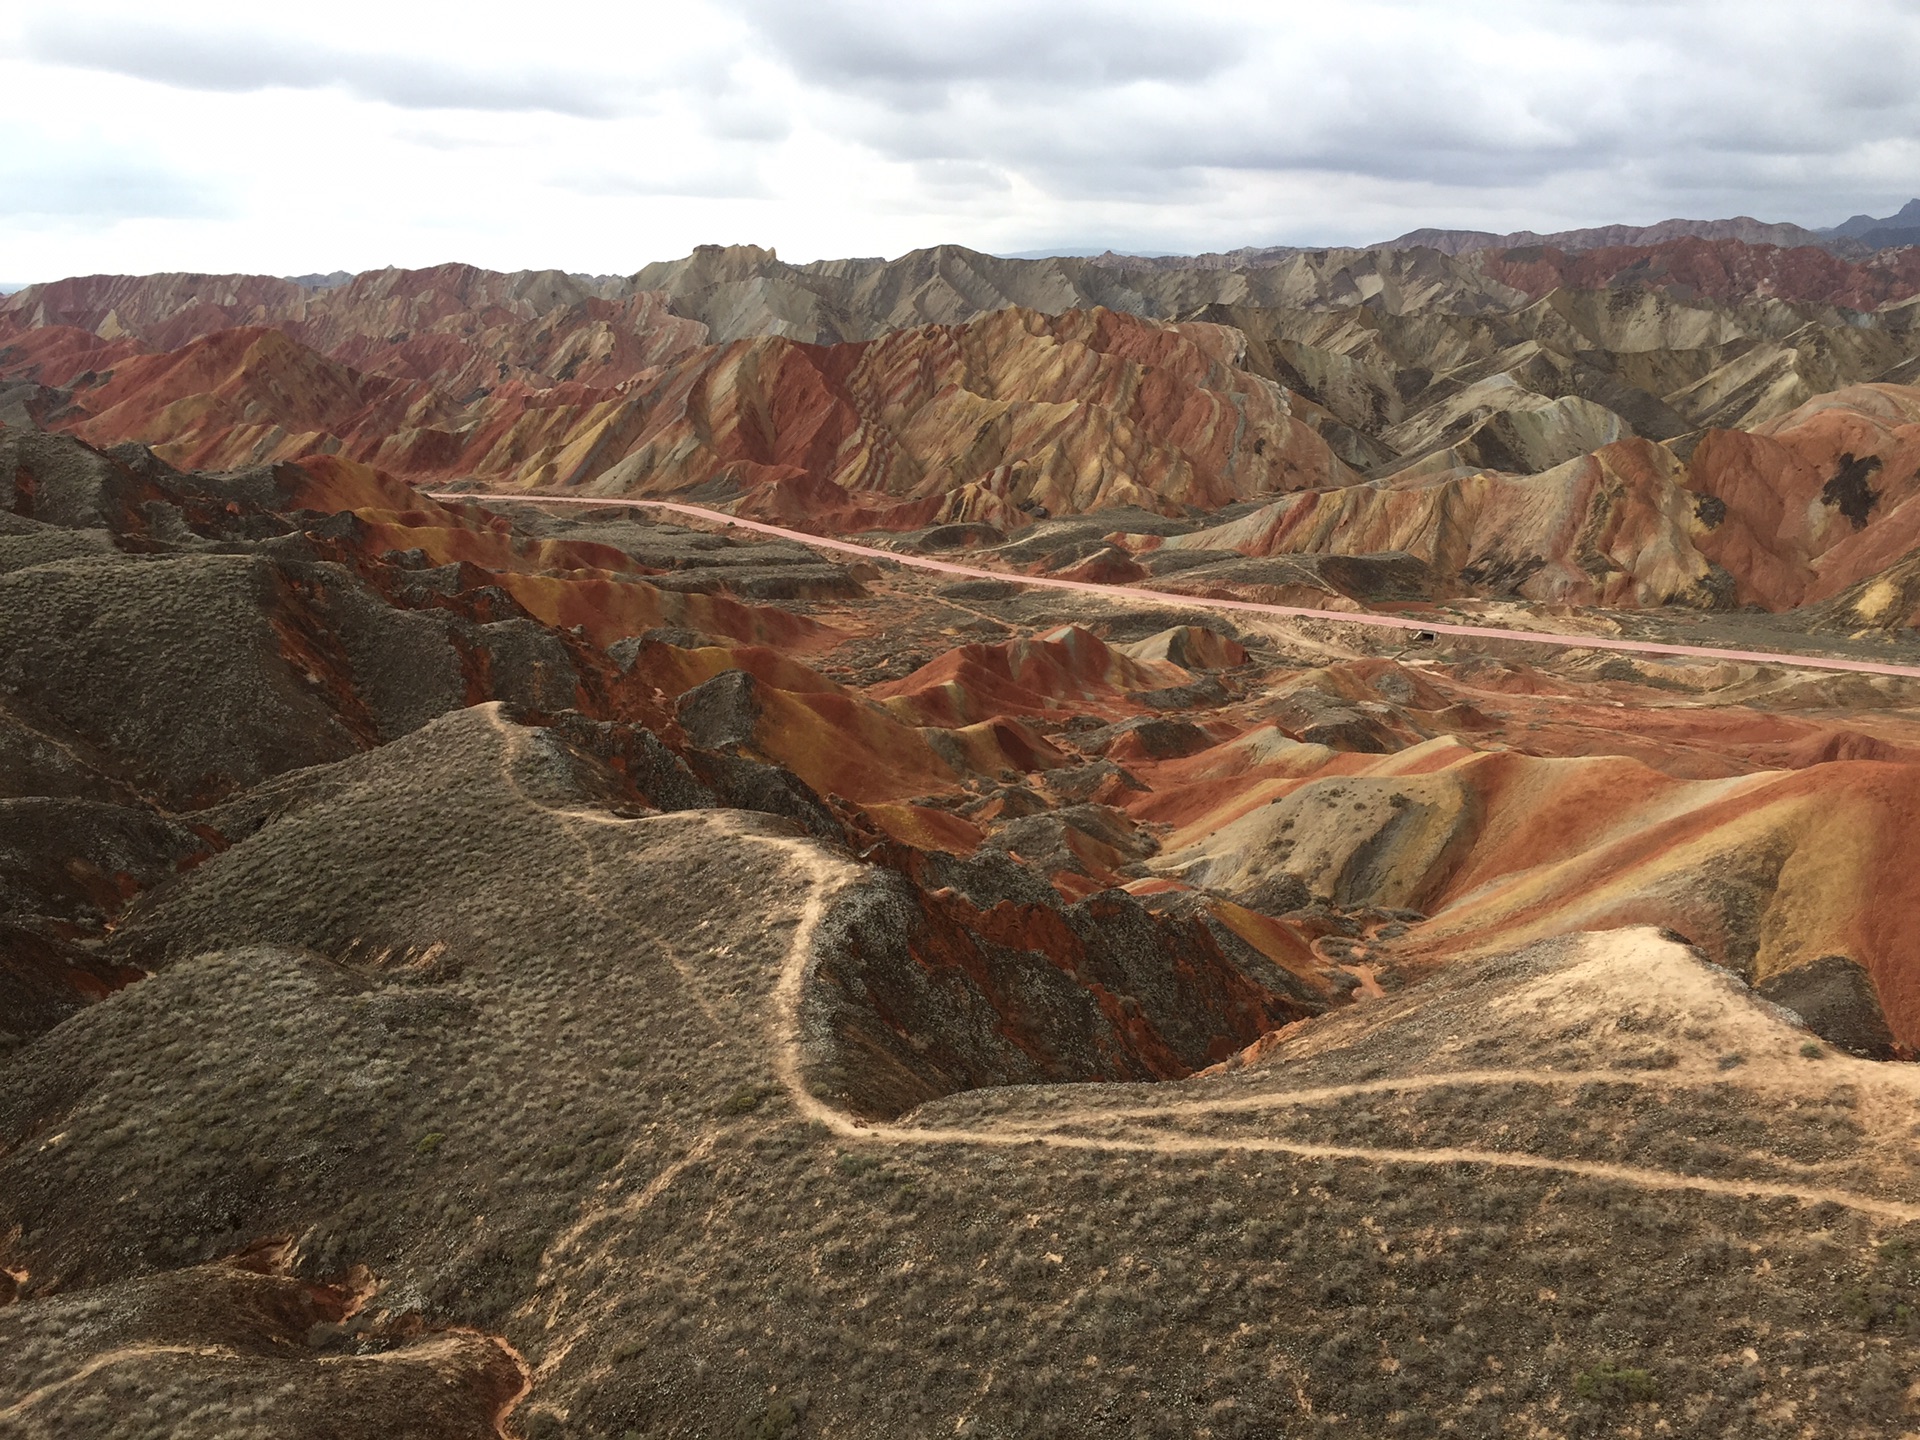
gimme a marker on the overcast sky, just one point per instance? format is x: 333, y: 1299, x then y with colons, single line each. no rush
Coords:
x: 597, y: 135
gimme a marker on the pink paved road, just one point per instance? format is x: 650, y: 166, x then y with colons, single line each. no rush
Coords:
x: 1162, y: 597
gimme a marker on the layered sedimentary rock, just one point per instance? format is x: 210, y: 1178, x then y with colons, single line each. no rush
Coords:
x: 1723, y: 270
x: 1611, y: 528
x: 965, y: 406
x: 488, y: 968
x: 1013, y: 414
x: 1818, y: 500
x: 1768, y: 873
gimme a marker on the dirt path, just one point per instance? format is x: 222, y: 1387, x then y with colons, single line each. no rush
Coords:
x: 1164, y: 597
x: 1403, y: 1085
x: 828, y: 876
x: 1642, y: 1178
x: 106, y: 1362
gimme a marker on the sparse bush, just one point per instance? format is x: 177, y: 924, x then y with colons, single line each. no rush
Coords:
x: 1608, y: 1384
x: 1889, y: 1297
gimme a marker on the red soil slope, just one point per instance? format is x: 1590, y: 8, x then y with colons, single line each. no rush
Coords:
x: 1817, y: 500
x: 1014, y: 414
x: 1720, y: 269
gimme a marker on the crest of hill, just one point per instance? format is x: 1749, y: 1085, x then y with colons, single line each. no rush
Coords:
x: 961, y: 422
x: 537, y: 380
x: 1728, y: 270
x: 1245, y: 258
x: 1740, y: 227
x: 471, y: 330
x: 744, y: 290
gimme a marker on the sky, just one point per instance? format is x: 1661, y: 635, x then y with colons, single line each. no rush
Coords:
x: 598, y: 135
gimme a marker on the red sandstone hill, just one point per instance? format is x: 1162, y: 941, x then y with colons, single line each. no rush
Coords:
x: 1014, y: 413
x: 461, y: 974
x: 1514, y: 444
x: 1818, y: 502
x: 1730, y: 270
x: 1380, y: 787
x: 457, y: 327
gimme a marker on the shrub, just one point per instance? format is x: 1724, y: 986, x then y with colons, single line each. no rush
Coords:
x: 1616, y: 1385
x: 779, y: 1420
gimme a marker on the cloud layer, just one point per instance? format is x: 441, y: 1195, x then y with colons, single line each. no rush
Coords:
x: 252, y: 60
x: 600, y: 135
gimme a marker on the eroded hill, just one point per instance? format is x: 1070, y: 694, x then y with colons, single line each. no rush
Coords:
x: 1384, y: 403
x: 546, y: 972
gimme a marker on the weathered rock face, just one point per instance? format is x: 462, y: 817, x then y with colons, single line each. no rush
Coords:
x: 1013, y: 415
x: 452, y: 326
x: 1766, y: 874
x: 1612, y: 528
x: 1835, y: 996
x: 464, y: 973
x: 918, y: 995
x: 1817, y: 501
x: 1723, y: 269
x: 1009, y: 416
x: 1400, y: 389
x: 1063, y: 672
x: 965, y: 390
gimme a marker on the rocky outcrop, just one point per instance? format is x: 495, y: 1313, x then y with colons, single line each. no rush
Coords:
x: 1817, y: 502
x: 1014, y: 415
x: 1727, y: 269
x: 1612, y: 528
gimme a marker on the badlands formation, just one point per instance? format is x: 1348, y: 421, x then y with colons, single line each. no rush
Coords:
x: 485, y: 955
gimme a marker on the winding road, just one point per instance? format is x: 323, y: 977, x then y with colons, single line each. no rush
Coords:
x: 1164, y: 597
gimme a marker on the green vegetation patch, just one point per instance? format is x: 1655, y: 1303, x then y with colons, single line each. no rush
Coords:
x: 1608, y: 1384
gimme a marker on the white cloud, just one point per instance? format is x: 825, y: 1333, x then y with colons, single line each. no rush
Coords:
x: 598, y: 135
x: 249, y: 60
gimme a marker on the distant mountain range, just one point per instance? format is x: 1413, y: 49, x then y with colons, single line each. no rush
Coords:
x: 1861, y: 235
x: 1901, y: 228
x: 322, y: 282
x: 1856, y: 238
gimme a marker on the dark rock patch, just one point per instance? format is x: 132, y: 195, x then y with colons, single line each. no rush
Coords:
x: 1847, y: 491
x: 1835, y: 996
